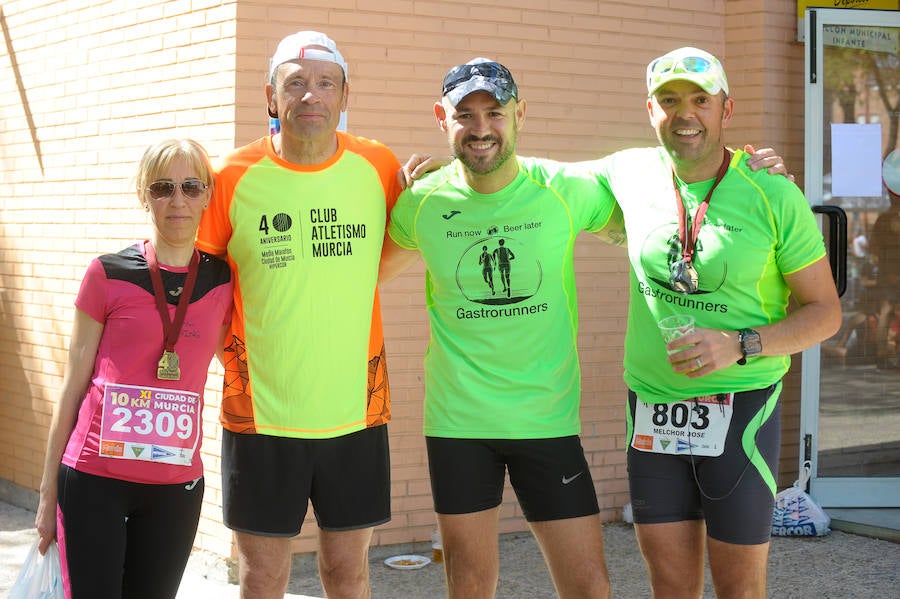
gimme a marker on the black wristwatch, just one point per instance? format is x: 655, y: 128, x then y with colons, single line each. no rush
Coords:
x: 751, y: 344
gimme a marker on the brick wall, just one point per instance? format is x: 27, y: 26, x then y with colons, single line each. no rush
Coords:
x: 765, y: 67
x: 101, y: 81
x: 105, y: 79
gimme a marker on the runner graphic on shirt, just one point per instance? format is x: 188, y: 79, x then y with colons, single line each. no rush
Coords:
x: 487, y: 267
x: 502, y: 255
x: 478, y: 267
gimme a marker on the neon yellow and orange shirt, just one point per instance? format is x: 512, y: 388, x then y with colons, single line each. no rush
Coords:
x: 305, y: 357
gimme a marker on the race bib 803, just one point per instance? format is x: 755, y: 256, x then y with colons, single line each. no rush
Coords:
x: 695, y: 426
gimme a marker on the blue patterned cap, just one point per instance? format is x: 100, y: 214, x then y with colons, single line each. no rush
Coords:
x: 479, y: 74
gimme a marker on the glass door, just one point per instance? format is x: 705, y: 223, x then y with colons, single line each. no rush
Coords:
x: 850, y: 410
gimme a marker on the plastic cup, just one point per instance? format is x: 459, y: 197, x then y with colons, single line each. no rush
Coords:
x: 437, y: 547
x: 673, y: 327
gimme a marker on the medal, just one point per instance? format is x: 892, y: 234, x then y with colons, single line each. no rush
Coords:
x: 168, y: 369
x: 683, y: 277
x: 682, y: 274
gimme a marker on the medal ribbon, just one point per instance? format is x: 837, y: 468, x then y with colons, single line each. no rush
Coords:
x: 688, y: 243
x: 171, y: 329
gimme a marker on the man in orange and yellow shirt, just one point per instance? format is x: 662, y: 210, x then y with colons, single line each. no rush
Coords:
x: 301, y: 216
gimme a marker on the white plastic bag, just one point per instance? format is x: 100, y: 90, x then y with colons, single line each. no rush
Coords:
x: 796, y: 514
x: 40, y: 576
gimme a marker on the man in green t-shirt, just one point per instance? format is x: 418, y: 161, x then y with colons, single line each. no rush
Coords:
x: 710, y: 239
x: 502, y: 379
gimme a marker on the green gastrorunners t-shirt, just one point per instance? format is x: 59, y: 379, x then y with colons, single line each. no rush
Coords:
x: 502, y: 361
x: 758, y: 227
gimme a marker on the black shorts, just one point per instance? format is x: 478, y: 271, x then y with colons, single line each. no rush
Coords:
x: 733, y: 492
x: 268, y: 482
x: 551, y: 477
x: 125, y: 539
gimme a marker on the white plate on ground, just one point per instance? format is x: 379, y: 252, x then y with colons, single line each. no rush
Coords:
x: 407, y: 562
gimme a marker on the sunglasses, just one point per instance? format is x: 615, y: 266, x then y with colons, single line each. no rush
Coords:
x: 164, y: 189
x: 496, y: 72
x: 688, y: 64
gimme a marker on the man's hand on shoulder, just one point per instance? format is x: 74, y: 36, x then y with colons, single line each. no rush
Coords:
x: 767, y: 158
x: 417, y: 166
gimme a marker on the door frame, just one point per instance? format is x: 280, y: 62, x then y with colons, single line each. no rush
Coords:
x: 837, y: 492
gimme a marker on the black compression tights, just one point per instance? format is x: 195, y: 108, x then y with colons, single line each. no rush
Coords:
x: 124, y: 540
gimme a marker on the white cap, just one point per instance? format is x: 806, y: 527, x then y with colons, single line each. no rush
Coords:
x: 307, y: 45
x: 687, y: 64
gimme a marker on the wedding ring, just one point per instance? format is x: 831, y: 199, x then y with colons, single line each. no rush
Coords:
x: 698, y: 362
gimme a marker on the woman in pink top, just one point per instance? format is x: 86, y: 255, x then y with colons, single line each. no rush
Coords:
x: 123, y: 480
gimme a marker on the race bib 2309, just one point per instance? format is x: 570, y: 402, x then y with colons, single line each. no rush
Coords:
x: 150, y: 424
